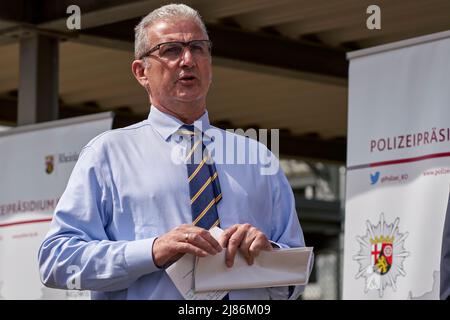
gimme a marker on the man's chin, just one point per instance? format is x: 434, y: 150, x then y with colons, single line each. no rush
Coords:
x: 188, y: 98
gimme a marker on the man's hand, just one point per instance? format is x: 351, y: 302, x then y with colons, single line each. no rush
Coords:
x: 248, y: 239
x: 186, y: 238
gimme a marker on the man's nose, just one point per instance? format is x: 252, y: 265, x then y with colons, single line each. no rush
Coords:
x: 187, y: 58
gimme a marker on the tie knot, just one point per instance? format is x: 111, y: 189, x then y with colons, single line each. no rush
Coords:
x: 188, y: 129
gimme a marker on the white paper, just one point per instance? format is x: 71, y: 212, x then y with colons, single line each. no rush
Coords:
x: 182, y: 275
x: 279, y: 267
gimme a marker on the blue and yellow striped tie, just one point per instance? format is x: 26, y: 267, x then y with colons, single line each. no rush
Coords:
x: 204, y: 186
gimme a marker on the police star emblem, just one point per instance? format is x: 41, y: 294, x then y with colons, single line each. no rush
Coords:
x: 381, y: 255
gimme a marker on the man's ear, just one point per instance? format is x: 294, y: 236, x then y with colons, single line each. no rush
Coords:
x: 138, y: 68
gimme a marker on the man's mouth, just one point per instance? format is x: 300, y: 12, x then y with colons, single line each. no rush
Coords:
x: 186, y: 79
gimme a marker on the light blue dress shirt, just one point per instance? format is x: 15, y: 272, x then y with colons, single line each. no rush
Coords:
x: 126, y: 190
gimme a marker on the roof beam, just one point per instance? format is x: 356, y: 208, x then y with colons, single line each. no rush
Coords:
x: 105, y: 21
x: 52, y: 14
x: 213, y: 10
x: 285, y: 13
x: 14, y: 11
x: 277, y: 52
x: 254, y: 47
x: 45, y: 11
x: 96, y: 13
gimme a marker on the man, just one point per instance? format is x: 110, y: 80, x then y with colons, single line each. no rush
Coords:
x: 130, y: 209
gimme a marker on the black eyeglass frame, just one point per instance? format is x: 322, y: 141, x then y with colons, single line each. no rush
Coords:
x: 184, y: 43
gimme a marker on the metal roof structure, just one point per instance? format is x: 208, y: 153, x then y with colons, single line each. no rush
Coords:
x: 276, y: 64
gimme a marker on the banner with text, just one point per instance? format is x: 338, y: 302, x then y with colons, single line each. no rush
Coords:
x: 398, y: 171
x: 35, y: 165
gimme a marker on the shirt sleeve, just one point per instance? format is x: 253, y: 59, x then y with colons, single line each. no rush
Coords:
x: 286, y: 230
x: 76, y: 252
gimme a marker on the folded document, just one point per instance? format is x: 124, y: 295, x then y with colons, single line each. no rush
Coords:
x: 279, y: 267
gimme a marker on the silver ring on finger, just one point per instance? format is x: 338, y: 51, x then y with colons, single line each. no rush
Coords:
x: 186, y: 237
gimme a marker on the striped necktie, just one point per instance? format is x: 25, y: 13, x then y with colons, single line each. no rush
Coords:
x: 204, y: 186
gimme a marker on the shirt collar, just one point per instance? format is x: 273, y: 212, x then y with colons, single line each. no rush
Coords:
x: 166, y: 124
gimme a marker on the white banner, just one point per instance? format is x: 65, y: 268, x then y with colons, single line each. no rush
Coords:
x: 35, y: 164
x: 398, y: 166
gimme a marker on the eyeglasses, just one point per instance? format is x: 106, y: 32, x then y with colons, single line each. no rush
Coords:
x: 172, y: 50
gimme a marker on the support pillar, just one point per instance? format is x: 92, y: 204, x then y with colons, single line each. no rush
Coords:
x: 38, y: 84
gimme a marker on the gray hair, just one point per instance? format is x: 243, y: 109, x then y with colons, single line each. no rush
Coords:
x: 169, y: 11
